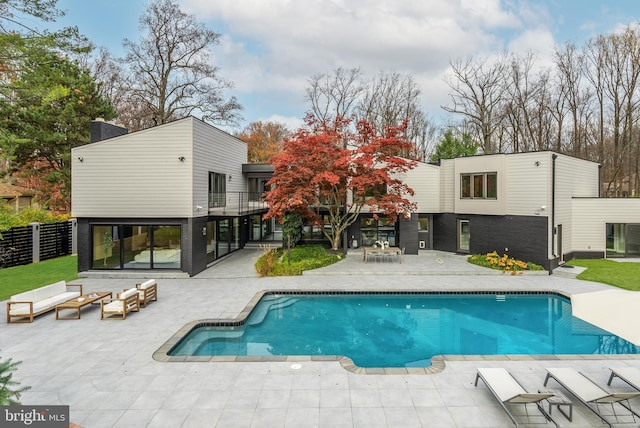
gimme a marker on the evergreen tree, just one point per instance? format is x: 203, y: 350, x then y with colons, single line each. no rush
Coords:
x: 47, y: 102
x: 9, y: 390
x: 451, y: 147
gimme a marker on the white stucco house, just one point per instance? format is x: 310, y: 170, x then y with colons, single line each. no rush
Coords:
x: 179, y: 196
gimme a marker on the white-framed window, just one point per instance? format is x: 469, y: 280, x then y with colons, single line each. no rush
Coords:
x: 481, y: 185
x: 217, y: 190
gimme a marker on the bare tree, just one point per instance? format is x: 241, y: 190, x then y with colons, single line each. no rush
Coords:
x: 570, y: 66
x: 385, y: 101
x: 594, y: 70
x: 169, y: 71
x: 391, y: 98
x: 477, y: 94
x: 617, y: 55
x: 335, y: 94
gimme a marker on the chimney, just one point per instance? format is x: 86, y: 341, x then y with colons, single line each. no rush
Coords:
x: 101, y: 130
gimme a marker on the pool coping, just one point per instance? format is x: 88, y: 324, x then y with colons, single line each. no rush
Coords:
x: 438, y: 362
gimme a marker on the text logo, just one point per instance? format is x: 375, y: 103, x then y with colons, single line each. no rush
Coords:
x: 34, y: 416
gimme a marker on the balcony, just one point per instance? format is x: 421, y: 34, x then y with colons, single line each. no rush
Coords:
x: 236, y: 203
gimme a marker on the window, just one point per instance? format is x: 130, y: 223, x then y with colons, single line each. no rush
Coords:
x: 479, y: 186
x: 373, y: 192
x: 372, y: 230
x: 492, y: 185
x: 257, y: 188
x: 464, y: 235
x: 106, y: 247
x: 127, y: 246
x: 217, y: 190
x: 423, y: 224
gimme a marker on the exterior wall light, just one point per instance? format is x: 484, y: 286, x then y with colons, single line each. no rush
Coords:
x: 181, y: 158
x: 80, y: 158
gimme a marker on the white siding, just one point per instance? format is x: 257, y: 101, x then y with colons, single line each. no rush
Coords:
x: 216, y: 151
x: 480, y: 164
x: 424, y: 179
x: 529, y: 184
x: 575, y: 178
x: 447, y: 185
x: 135, y: 175
x: 590, y: 217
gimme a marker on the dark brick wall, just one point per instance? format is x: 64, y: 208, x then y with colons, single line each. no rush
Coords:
x: 353, y: 232
x: 444, y: 232
x: 194, y: 259
x: 525, y: 237
x: 408, y: 234
x: 84, y: 245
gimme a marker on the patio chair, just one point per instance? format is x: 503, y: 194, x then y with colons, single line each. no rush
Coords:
x: 508, y: 391
x: 591, y: 395
x: 147, y: 292
x: 118, y: 308
x: 630, y: 375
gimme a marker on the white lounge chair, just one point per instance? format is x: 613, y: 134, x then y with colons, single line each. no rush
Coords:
x: 631, y: 375
x: 591, y: 395
x: 508, y: 391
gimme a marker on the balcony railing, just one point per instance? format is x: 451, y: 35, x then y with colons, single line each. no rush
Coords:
x: 236, y: 203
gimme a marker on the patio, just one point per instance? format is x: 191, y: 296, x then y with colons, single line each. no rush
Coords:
x: 105, y: 373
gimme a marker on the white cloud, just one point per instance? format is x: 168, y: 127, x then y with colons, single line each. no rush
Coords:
x: 540, y: 41
x: 270, y: 48
x: 292, y: 40
x: 291, y: 122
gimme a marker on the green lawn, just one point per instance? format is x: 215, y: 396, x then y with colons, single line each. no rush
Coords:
x: 620, y: 274
x: 17, y: 279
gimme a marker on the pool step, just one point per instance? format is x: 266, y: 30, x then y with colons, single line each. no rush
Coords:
x: 263, y: 308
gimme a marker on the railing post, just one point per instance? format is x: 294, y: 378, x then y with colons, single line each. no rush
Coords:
x: 35, y: 239
x: 73, y: 224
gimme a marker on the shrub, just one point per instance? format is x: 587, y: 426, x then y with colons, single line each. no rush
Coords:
x: 267, y: 262
x: 504, y: 263
x: 9, y: 219
x: 295, y: 261
x: 292, y: 228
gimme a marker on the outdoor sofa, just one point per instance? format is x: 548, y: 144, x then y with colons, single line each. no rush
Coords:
x: 21, y: 308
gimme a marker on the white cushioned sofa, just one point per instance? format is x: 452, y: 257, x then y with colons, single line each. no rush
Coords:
x: 23, y: 307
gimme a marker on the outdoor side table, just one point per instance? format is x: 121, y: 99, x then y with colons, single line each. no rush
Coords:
x: 559, y: 399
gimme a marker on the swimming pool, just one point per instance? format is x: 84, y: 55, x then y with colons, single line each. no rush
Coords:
x: 403, y: 329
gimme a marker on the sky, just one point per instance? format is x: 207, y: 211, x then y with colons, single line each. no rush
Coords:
x: 270, y: 48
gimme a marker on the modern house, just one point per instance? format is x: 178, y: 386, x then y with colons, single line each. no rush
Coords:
x: 179, y: 196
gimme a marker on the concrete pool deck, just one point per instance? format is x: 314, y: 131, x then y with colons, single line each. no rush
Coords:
x: 105, y: 372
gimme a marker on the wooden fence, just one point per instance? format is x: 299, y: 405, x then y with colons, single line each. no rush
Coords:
x: 37, y: 242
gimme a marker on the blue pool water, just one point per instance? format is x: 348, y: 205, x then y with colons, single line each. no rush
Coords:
x: 405, y: 330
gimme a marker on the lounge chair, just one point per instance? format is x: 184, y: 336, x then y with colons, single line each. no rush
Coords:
x: 508, y: 391
x: 631, y: 375
x: 590, y: 394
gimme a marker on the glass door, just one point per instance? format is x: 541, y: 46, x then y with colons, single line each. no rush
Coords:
x: 464, y: 235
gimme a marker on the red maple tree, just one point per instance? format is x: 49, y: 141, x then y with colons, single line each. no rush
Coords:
x: 328, y: 174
